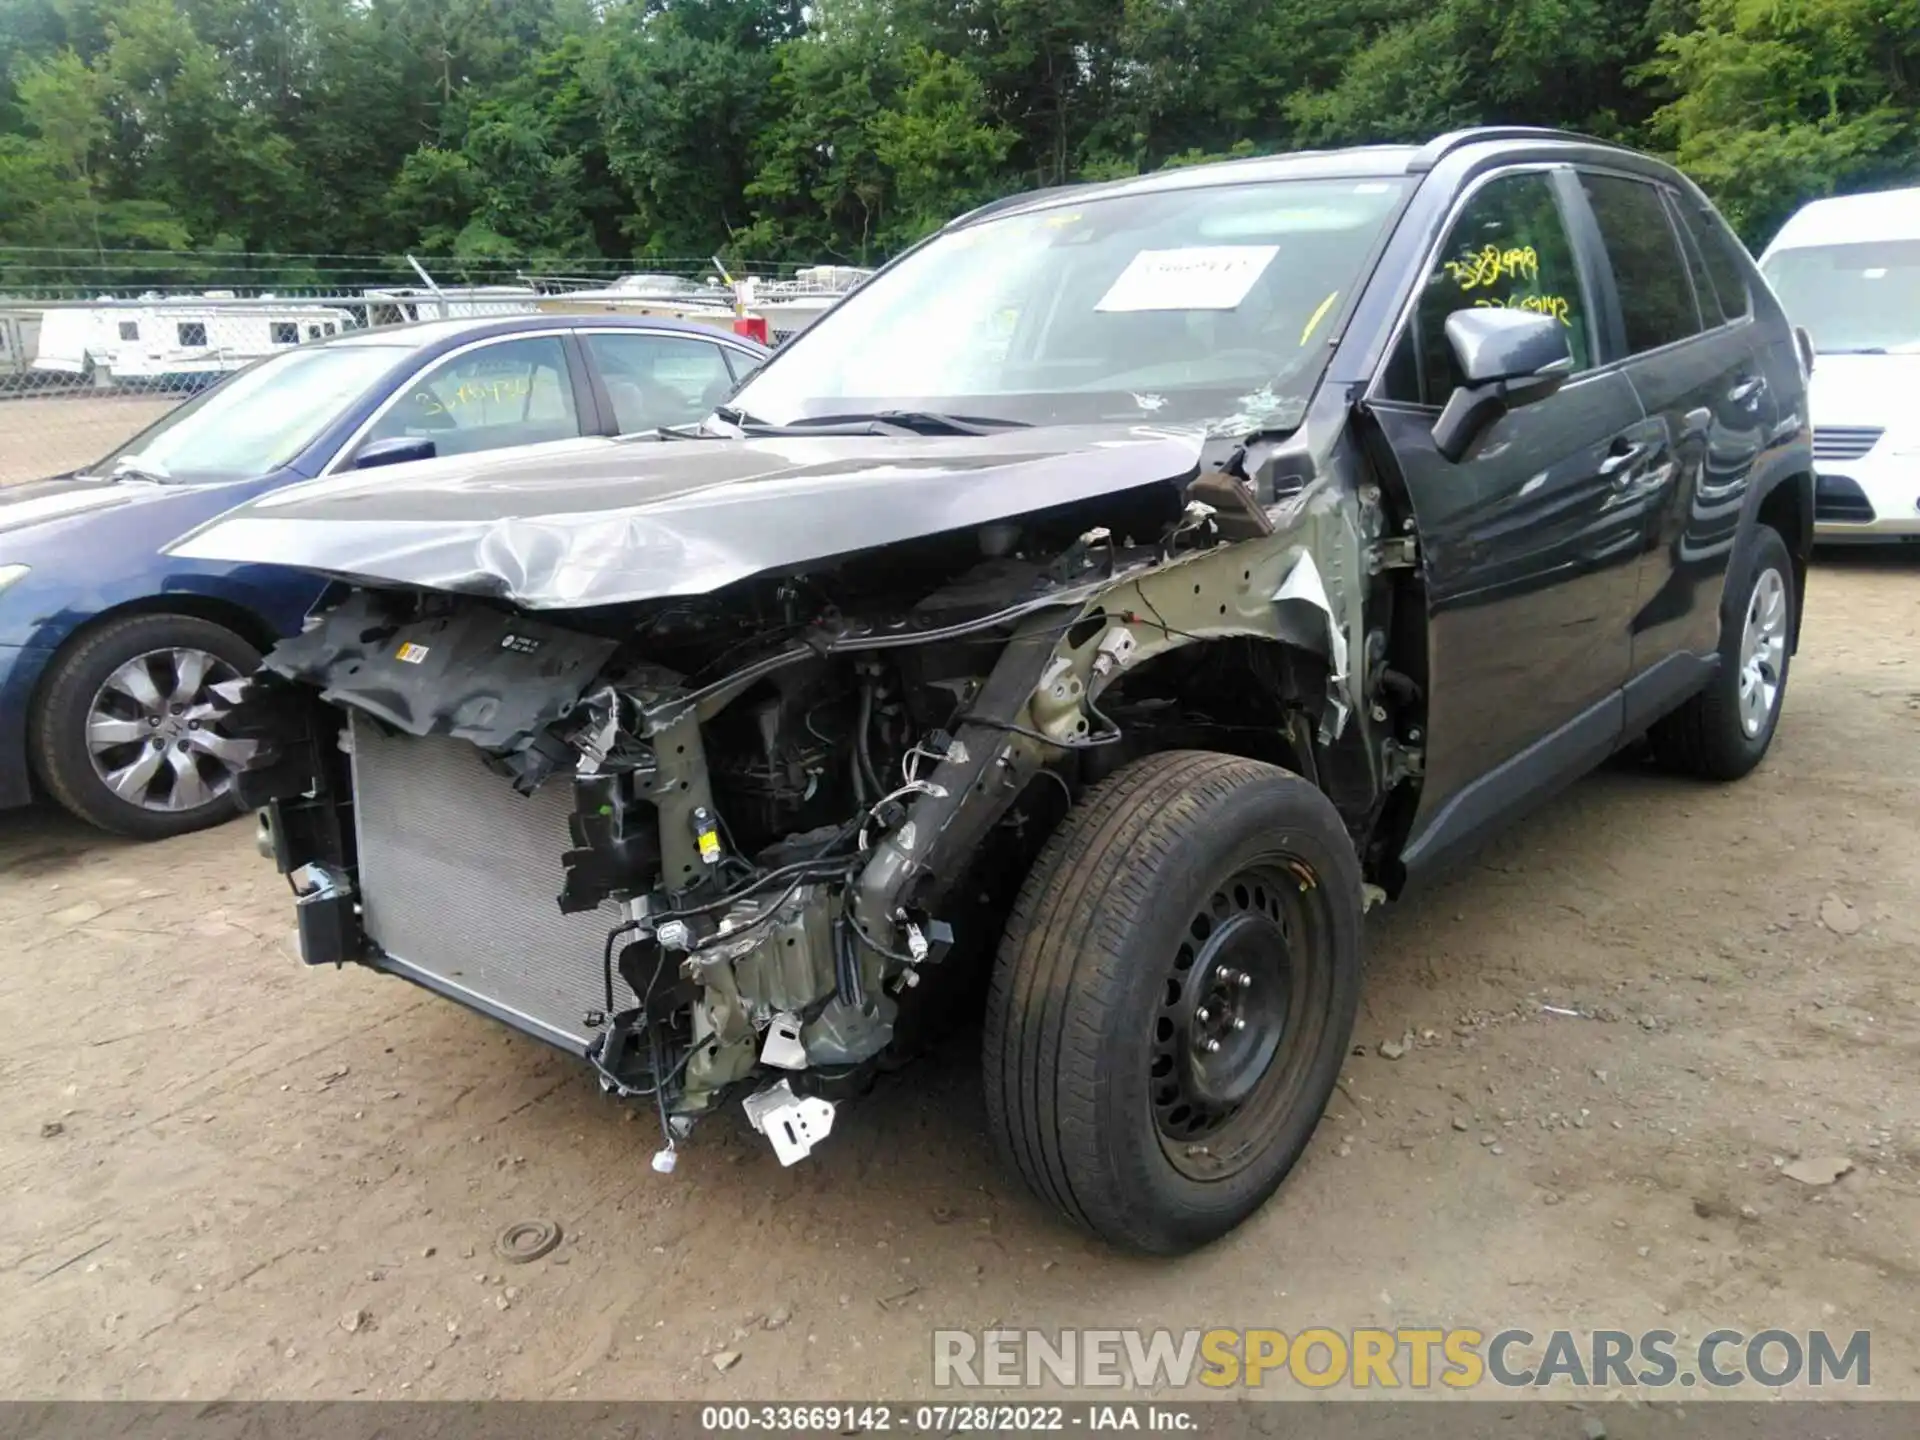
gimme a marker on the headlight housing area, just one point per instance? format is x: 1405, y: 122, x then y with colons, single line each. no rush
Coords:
x: 11, y: 573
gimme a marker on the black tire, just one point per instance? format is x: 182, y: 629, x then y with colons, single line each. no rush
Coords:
x: 57, y: 728
x: 1082, y: 1013
x: 1712, y: 735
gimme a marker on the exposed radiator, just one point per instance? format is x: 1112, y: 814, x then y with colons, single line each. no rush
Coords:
x: 458, y: 874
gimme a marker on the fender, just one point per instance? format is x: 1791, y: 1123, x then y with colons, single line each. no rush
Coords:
x: 1782, y: 488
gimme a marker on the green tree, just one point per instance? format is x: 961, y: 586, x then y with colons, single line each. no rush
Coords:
x: 844, y: 129
x: 1774, y: 102
x: 682, y: 88
x: 52, y: 173
x: 938, y: 146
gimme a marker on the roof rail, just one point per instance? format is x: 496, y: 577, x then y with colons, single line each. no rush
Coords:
x: 1430, y: 154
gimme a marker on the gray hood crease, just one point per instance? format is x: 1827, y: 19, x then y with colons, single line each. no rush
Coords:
x: 643, y: 519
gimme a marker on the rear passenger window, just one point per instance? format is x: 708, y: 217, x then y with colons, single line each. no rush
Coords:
x: 657, y: 380
x: 1656, y: 293
x: 1508, y: 249
x: 1726, y: 263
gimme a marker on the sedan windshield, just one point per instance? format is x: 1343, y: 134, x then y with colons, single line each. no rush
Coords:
x: 255, y: 421
x: 1199, y: 306
x: 1858, y: 297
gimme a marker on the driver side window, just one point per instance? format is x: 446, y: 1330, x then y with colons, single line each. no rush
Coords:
x: 1508, y: 248
x: 516, y: 392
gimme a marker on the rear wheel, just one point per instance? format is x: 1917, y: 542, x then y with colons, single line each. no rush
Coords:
x: 128, y: 732
x: 1174, y: 997
x: 1724, y: 731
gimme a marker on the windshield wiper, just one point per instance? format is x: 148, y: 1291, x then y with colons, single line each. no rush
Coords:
x: 876, y: 422
x: 921, y: 422
x: 128, y: 470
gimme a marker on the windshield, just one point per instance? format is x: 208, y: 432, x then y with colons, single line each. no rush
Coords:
x: 1204, y: 306
x: 1864, y: 296
x: 257, y: 420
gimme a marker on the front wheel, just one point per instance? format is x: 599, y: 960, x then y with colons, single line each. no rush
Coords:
x: 1173, y: 998
x: 129, y: 735
x: 1724, y: 730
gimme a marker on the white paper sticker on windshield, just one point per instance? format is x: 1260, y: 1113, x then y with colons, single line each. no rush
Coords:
x: 1196, y: 277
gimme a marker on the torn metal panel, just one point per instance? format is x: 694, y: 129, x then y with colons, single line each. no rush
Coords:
x: 474, y: 673
x: 1318, y: 628
x: 1303, y: 586
x: 1035, y: 703
x: 647, y: 519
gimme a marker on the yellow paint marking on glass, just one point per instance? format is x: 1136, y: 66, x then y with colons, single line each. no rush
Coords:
x: 1554, y: 305
x: 1318, y: 315
x: 1491, y: 264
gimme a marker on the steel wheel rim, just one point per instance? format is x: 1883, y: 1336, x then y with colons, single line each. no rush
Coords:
x: 1241, y: 981
x: 153, y: 731
x: 1763, y: 651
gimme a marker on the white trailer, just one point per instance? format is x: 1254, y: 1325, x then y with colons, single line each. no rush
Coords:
x: 114, y: 341
x: 19, y: 342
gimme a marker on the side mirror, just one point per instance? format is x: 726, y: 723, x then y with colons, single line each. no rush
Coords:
x: 1508, y: 358
x: 394, y: 450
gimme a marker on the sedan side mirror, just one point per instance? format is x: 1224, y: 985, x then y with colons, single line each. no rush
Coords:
x: 1508, y: 358
x: 394, y: 450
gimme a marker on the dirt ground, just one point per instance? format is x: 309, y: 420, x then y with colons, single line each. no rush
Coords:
x: 47, y: 434
x: 230, y: 1176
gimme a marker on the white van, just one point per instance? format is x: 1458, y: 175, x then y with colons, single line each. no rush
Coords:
x: 1848, y: 272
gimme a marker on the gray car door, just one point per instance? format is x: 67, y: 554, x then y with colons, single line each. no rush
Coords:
x: 1529, y: 557
x: 1701, y: 377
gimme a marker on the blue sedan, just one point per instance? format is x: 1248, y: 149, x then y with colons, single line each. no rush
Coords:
x: 110, y: 652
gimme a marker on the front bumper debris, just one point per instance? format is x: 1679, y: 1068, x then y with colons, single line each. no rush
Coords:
x: 792, y: 1123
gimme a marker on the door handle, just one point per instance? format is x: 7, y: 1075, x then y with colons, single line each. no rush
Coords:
x: 1748, y: 390
x: 1621, y: 459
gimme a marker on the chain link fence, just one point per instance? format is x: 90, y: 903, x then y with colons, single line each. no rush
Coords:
x: 80, y: 373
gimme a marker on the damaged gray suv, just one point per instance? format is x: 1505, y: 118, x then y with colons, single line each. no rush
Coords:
x: 1097, y: 611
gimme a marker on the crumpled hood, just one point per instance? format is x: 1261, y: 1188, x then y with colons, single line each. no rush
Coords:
x: 642, y: 518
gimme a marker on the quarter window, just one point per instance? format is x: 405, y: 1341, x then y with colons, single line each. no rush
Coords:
x: 1696, y: 267
x: 1649, y: 272
x: 1507, y: 250
x: 512, y: 393
x: 1726, y: 263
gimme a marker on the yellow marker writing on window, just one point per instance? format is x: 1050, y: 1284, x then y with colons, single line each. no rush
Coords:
x: 1313, y: 323
x: 1554, y: 305
x: 1491, y: 264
